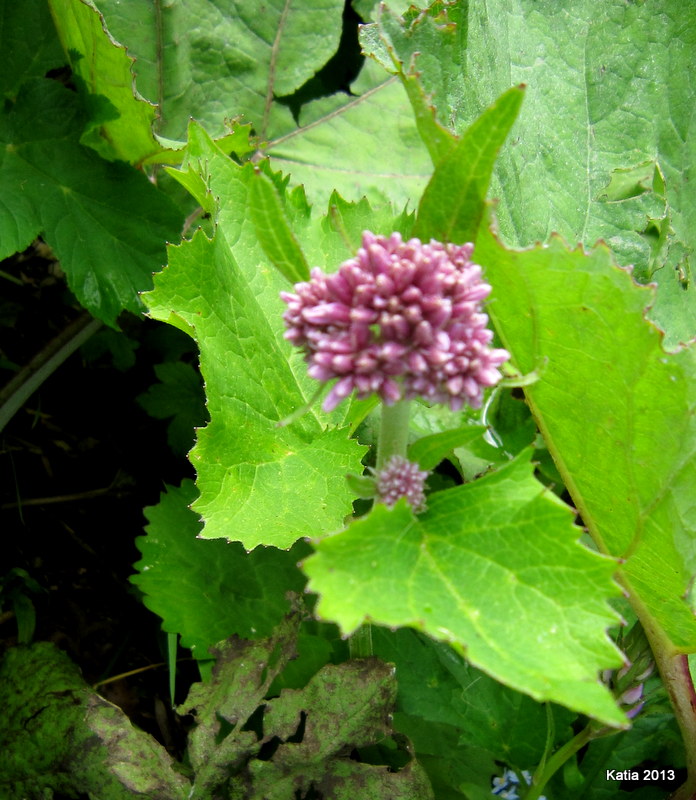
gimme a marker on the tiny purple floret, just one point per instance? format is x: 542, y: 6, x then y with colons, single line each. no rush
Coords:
x: 402, y: 320
x: 401, y: 478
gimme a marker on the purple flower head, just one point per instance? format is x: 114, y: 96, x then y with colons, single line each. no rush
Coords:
x: 401, y: 319
x: 401, y: 478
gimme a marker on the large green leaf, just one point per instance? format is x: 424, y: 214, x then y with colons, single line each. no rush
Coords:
x: 424, y: 48
x: 214, y: 60
x: 617, y: 412
x: 106, y: 223
x: 492, y: 567
x: 227, y: 590
x: 28, y: 43
x: 255, y: 478
x: 602, y: 148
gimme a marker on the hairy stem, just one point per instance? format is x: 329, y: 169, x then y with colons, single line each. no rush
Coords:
x: 393, y: 434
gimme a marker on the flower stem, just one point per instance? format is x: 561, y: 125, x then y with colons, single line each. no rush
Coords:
x: 393, y: 434
x: 393, y: 438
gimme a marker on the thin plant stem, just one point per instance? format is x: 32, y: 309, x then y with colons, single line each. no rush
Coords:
x: 44, y: 364
x: 558, y: 759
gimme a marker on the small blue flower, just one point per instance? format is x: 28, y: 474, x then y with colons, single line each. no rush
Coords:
x: 507, y: 785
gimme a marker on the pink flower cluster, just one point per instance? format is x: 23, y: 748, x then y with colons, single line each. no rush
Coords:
x: 401, y: 478
x: 402, y: 320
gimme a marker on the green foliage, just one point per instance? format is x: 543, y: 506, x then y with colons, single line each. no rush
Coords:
x: 253, y: 476
x: 392, y: 166
x: 452, y: 206
x: 28, y: 43
x: 15, y: 588
x: 482, y: 555
x: 237, y: 58
x: 314, y: 728
x: 615, y: 410
x: 593, y: 112
x: 105, y: 222
x: 227, y: 590
x: 437, y: 687
x: 492, y: 572
x: 125, y: 128
x: 178, y: 395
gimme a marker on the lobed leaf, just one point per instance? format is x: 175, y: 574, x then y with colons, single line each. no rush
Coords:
x: 254, y: 478
x: 492, y: 567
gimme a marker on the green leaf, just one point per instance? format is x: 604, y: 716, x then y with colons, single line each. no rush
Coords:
x: 336, y: 147
x: 455, y: 771
x: 482, y: 713
x: 273, y: 232
x: 227, y: 590
x: 494, y: 568
x: 654, y: 738
x: 106, y: 223
x: 428, y: 451
x: 60, y: 736
x: 104, y: 68
x: 616, y: 411
x: 452, y: 205
x: 28, y: 43
x: 255, y: 478
x: 594, y: 112
x: 214, y: 60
